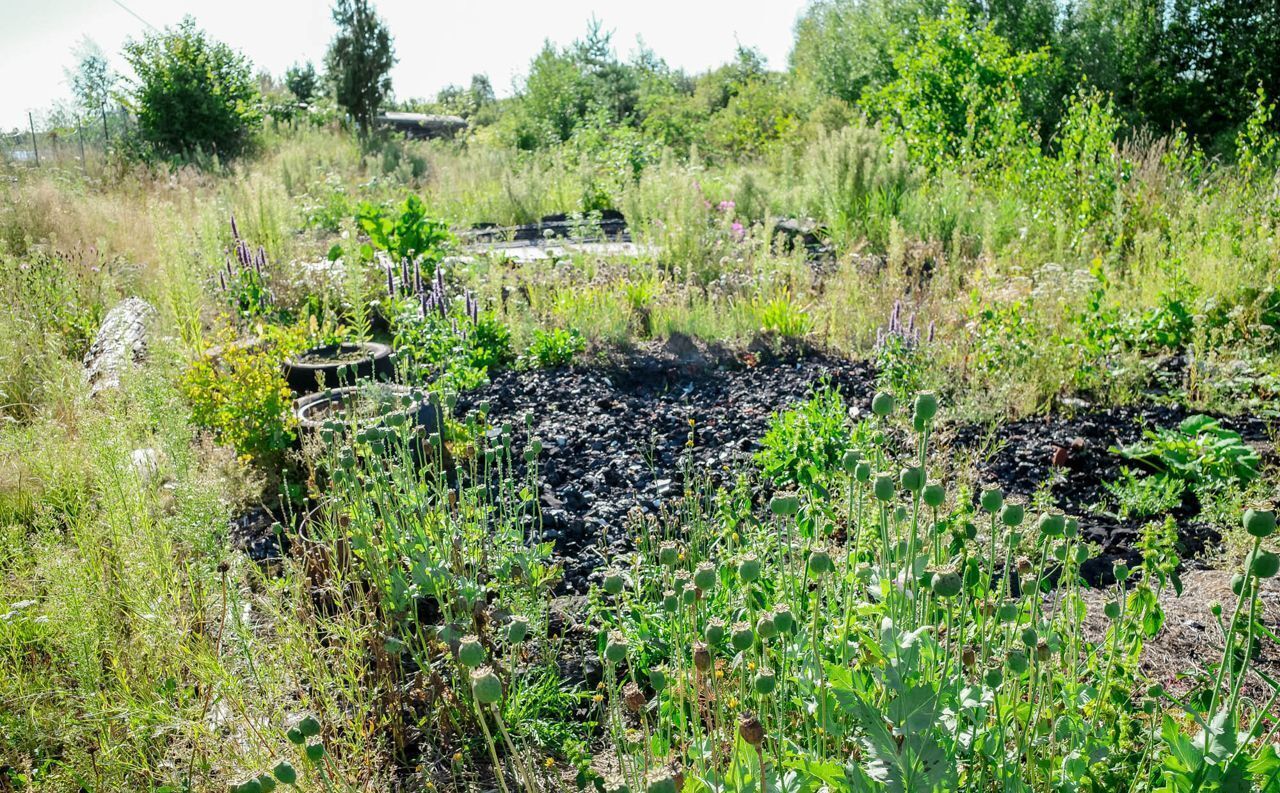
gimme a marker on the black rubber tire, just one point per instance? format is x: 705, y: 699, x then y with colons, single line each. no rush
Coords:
x: 305, y: 378
x: 421, y: 411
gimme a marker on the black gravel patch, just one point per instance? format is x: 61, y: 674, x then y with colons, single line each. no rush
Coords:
x: 615, y: 438
x: 1073, y: 454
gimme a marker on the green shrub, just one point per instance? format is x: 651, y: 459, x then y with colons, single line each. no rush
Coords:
x: 805, y: 445
x: 193, y: 94
x: 405, y: 233
x: 241, y: 395
x: 1200, y: 452
x: 1139, y: 496
x: 556, y: 347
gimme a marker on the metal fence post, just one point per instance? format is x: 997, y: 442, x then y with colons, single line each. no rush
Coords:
x: 84, y: 165
x: 35, y: 148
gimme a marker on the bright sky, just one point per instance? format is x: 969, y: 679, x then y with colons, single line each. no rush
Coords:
x: 438, y: 43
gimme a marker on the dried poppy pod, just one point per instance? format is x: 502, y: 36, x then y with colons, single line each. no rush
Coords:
x: 967, y: 657
x: 751, y: 730
x: 633, y: 697
x: 701, y: 656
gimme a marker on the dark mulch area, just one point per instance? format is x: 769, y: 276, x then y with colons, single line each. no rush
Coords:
x: 1074, y: 454
x: 614, y: 437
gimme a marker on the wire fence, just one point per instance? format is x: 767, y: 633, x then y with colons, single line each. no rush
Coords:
x: 84, y: 140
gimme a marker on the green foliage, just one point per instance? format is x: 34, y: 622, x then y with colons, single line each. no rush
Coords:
x: 1145, y: 496
x: 805, y: 445
x: 957, y: 96
x: 781, y: 314
x: 359, y: 60
x: 406, y: 233
x: 241, y: 394
x: 302, y: 81
x: 193, y: 94
x: 448, y: 352
x: 92, y: 81
x: 555, y: 347
x: 1200, y: 452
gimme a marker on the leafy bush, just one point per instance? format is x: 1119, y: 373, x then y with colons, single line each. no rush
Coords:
x: 241, y: 394
x: 957, y: 97
x: 1140, y: 496
x: 1200, y: 452
x: 193, y: 94
x: 556, y: 347
x: 804, y: 446
x: 405, y: 233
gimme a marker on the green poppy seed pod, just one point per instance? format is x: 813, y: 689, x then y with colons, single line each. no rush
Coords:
x: 1008, y: 612
x: 946, y: 584
x: 1018, y: 662
x: 994, y: 677
x: 784, y: 504
x: 882, y: 404
x: 663, y: 783
x: 614, y: 582
x: 900, y: 513
x: 1111, y: 609
x: 850, y: 461
x: 1071, y: 530
x: 764, y: 682
x: 926, y: 405
x: 820, y: 562
x: 657, y: 679
x: 934, y: 494
x: 486, y: 686
x: 1237, y: 584
x: 749, y: 567
x: 615, y: 648
x: 252, y: 786
x: 783, y: 618
x: 309, y: 726
x: 535, y: 446
x: 668, y: 553
x: 1264, y: 564
x: 884, y: 487
x: 315, y: 752
x: 766, y: 628
x: 742, y: 637
x: 1052, y: 524
x: 862, y: 472
x: 528, y: 420
x: 471, y: 652
x: 1029, y: 636
x: 1259, y: 523
x: 689, y: 594
x: 529, y: 455
x: 295, y: 736
x: 517, y: 629
x: 267, y: 783
x: 714, y: 632
x: 704, y: 577
x: 992, y: 500
x: 1215, y: 608
x: 670, y: 601
x: 285, y: 772
x: 1081, y: 554
x: 1120, y: 570
x: 912, y: 479
x: 1012, y: 514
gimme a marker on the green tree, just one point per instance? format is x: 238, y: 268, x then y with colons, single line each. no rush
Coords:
x: 302, y: 81
x: 958, y: 94
x: 359, y: 61
x: 92, y: 79
x: 193, y: 93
